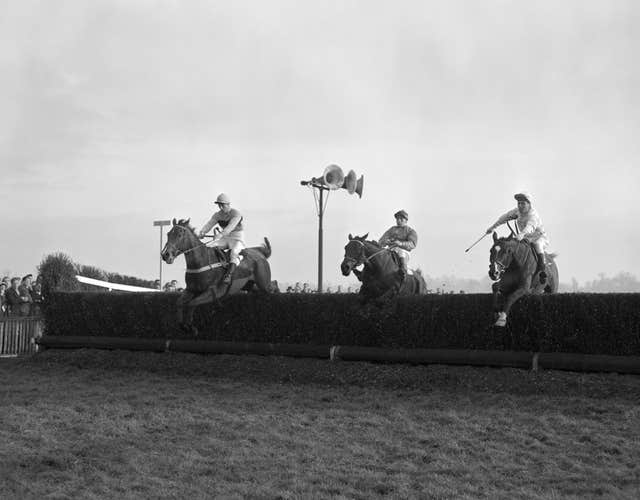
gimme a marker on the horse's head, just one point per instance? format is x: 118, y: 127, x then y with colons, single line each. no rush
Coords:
x: 179, y: 239
x: 501, y: 256
x: 354, y: 254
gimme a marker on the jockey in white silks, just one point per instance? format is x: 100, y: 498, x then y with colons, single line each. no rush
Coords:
x: 401, y: 239
x: 529, y: 227
x: 232, y: 234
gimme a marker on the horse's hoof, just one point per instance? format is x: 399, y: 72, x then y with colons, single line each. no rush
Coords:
x: 502, y: 319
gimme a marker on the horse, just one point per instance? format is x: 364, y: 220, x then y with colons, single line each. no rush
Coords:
x: 512, y: 266
x: 206, y: 268
x: 380, y: 276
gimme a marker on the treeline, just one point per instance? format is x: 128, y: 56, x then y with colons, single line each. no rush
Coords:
x: 59, y: 272
x: 623, y: 282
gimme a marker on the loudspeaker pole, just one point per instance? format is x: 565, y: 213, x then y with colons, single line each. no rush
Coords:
x: 332, y: 178
x: 320, y: 214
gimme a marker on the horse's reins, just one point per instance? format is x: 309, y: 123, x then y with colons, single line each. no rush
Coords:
x: 367, y: 259
x: 501, y: 266
x: 205, y: 268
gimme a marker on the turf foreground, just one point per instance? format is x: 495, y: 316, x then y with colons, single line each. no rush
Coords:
x: 115, y: 424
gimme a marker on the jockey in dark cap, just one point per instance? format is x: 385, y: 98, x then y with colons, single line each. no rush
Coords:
x: 401, y: 239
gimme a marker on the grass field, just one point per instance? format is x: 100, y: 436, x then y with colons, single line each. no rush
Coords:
x: 100, y: 424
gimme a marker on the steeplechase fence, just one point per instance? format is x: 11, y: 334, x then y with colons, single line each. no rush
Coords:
x: 18, y: 335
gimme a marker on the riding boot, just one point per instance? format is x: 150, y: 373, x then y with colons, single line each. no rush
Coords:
x: 227, y: 276
x: 542, y: 266
x: 402, y: 272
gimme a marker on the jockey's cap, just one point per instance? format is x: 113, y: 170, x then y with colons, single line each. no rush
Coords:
x: 401, y: 213
x: 523, y: 196
x: 223, y: 198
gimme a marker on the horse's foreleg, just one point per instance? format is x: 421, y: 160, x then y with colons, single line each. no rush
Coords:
x: 511, y: 299
x: 495, y: 288
x: 181, y: 304
x: 190, y: 306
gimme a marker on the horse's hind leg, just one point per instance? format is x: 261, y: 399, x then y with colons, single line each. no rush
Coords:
x: 262, y: 277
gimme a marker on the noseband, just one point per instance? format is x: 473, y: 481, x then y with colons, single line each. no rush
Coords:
x: 501, y: 267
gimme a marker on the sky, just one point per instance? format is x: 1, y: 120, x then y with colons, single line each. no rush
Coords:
x: 117, y: 113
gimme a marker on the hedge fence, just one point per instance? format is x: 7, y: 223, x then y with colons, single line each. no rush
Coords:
x: 571, y: 323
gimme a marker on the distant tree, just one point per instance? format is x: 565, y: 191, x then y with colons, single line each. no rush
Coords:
x: 129, y: 280
x: 621, y: 282
x: 58, y: 273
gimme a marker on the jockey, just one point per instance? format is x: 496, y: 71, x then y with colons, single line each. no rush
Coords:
x: 401, y: 239
x: 232, y: 234
x: 529, y: 227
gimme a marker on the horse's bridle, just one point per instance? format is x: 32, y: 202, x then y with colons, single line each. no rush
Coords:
x: 501, y: 267
x: 364, y: 260
x: 173, y: 246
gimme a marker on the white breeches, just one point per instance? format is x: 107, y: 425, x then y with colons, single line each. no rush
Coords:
x: 540, y: 244
x: 234, y: 242
x: 404, y: 254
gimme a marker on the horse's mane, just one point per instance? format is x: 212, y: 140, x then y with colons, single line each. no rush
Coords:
x: 185, y: 223
x: 372, y: 242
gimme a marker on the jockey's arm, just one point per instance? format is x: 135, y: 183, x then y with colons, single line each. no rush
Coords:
x: 385, y: 238
x: 510, y: 215
x: 207, y: 227
x: 410, y: 243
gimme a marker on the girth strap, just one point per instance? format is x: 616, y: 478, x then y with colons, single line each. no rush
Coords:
x: 205, y: 268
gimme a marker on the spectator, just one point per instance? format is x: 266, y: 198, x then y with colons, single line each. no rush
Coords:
x: 156, y: 285
x: 3, y: 307
x: 329, y: 289
x: 289, y: 289
x: 12, y: 297
x: 296, y: 288
x: 6, y: 281
x: 305, y: 288
x: 339, y: 289
x: 171, y: 286
x: 25, y: 295
x: 36, y: 295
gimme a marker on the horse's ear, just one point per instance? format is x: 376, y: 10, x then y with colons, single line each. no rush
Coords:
x: 174, y: 221
x: 350, y: 237
x: 365, y: 236
x: 495, y: 237
x: 187, y: 222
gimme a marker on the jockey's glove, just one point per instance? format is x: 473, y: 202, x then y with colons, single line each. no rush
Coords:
x: 520, y: 236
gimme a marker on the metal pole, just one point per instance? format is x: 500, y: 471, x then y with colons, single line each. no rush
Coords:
x: 320, y: 214
x: 161, y: 257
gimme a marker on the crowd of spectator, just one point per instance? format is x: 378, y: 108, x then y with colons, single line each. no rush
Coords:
x: 169, y: 286
x: 305, y: 288
x: 21, y: 296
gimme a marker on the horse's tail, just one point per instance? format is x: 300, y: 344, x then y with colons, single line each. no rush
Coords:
x: 552, y: 255
x: 265, y: 248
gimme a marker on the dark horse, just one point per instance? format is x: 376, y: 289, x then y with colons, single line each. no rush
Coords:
x: 512, y: 265
x: 206, y: 267
x: 380, y: 276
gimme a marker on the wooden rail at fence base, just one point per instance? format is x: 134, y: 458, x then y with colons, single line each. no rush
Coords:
x: 125, y: 343
x: 513, y: 359
x: 218, y: 347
